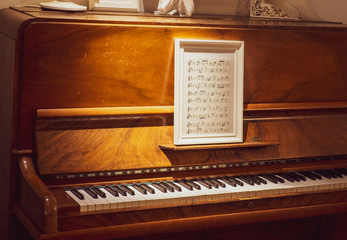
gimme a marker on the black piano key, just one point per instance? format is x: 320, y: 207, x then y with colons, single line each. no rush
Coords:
x: 228, y: 181
x: 254, y: 179
x: 317, y: 176
x: 110, y: 190
x: 308, y: 175
x: 148, y: 188
x: 238, y: 182
x: 294, y: 176
x: 245, y: 179
x: 269, y: 178
x: 286, y: 177
x: 77, y: 194
x: 216, y: 181
x: 322, y: 173
x: 261, y: 180
x: 301, y: 178
x: 159, y: 187
x: 175, y: 186
x: 328, y: 173
x: 119, y: 190
x: 91, y: 193
x: 208, y: 180
x: 99, y: 192
x: 140, y: 189
x: 203, y: 183
x: 127, y: 189
x: 193, y: 184
x: 341, y: 171
x: 340, y: 175
x: 168, y: 187
x: 184, y: 184
x: 279, y: 179
x: 333, y: 173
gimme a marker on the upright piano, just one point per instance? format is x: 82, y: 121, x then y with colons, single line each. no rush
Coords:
x: 87, y: 106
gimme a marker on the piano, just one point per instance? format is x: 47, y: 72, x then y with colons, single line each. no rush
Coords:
x: 87, y: 106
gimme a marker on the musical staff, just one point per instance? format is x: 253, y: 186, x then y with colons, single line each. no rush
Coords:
x: 208, y: 93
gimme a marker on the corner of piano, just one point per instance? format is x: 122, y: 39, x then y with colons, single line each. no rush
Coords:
x: 35, y: 201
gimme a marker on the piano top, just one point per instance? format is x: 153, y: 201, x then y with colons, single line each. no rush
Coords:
x: 195, y: 20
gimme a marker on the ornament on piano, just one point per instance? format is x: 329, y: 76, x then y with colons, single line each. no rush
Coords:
x: 185, y: 8
x: 286, y: 9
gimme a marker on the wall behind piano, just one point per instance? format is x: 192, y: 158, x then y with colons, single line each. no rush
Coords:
x: 333, y: 10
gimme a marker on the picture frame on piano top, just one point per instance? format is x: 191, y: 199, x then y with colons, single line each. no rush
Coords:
x: 117, y: 5
x: 208, y: 91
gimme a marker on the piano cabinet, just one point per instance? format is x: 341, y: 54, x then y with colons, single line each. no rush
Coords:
x: 87, y: 101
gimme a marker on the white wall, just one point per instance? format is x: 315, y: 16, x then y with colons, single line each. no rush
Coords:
x: 332, y: 10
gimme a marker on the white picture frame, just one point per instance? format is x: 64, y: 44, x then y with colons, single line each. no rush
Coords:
x: 208, y: 99
x: 116, y: 5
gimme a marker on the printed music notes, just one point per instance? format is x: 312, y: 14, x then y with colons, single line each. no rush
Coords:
x: 208, y: 91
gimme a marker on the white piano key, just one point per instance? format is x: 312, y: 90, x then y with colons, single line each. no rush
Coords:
x: 204, y: 194
x: 83, y: 204
x: 339, y: 183
x: 114, y: 201
x: 132, y: 201
x: 91, y: 204
x: 343, y: 182
x: 152, y: 199
x: 189, y: 197
x: 138, y: 198
x: 99, y: 203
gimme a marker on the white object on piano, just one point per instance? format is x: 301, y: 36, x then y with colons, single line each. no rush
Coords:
x: 63, y: 6
x: 185, y: 7
x: 117, y: 5
x: 167, y: 7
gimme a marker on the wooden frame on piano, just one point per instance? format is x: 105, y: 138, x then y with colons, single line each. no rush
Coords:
x: 208, y: 91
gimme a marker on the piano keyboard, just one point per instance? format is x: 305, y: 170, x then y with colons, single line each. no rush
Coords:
x: 204, y: 190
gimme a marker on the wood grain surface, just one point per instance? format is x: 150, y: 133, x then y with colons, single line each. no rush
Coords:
x: 85, y: 65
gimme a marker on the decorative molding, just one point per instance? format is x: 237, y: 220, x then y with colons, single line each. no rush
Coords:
x: 259, y: 8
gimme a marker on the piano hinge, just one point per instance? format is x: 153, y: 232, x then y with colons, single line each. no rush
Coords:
x: 22, y: 152
x: 256, y: 139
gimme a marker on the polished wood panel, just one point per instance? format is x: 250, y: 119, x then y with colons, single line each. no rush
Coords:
x: 138, y: 141
x: 6, y: 101
x: 35, y: 197
x: 281, y: 64
x: 11, y: 24
x: 80, y: 112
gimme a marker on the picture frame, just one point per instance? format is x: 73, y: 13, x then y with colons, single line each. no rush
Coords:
x: 208, y: 98
x: 117, y: 5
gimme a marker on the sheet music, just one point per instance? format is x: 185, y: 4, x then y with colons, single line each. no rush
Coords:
x: 208, y: 94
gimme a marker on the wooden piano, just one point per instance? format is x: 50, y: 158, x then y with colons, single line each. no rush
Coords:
x: 87, y: 105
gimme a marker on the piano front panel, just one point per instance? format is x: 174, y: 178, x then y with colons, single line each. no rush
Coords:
x: 113, y: 63
x: 135, y: 141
